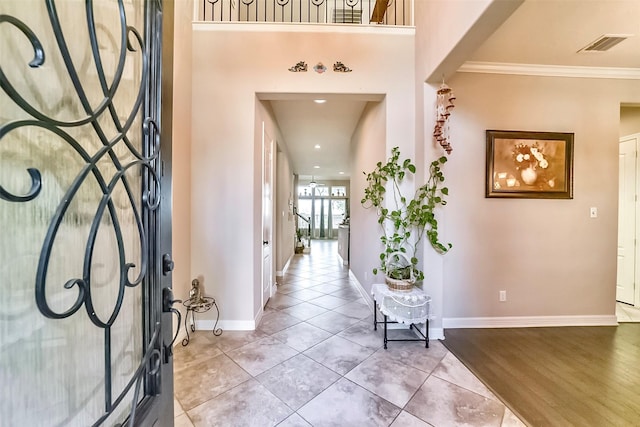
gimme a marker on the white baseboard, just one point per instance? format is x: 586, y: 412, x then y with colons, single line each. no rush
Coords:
x: 230, y: 325
x: 285, y: 268
x: 528, y: 321
x: 226, y: 325
x: 367, y: 298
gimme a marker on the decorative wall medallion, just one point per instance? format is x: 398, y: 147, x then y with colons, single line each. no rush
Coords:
x: 300, y: 67
x: 339, y: 67
x: 319, y: 68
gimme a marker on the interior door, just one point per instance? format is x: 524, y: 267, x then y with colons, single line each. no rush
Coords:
x: 267, y: 215
x: 84, y: 333
x: 627, y: 204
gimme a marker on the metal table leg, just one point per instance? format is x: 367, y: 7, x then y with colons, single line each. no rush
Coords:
x: 385, y: 331
x: 375, y: 316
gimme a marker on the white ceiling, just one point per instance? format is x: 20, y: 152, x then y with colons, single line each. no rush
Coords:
x: 551, y: 32
x: 548, y: 32
x: 305, y: 124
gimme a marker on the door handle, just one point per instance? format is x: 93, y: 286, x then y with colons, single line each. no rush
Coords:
x: 167, y: 307
x: 265, y: 242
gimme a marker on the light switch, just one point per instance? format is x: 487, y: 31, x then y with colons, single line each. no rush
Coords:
x: 593, y: 212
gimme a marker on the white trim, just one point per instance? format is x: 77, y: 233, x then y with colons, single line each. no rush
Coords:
x: 227, y: 325
x: 550, y: 70
x: 288, y: 27
x: 257, y: 319
x: 285, y: 268
x: 367, y: 298
x: 528, y: 321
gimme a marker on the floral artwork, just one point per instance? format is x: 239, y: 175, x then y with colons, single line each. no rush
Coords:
x: 529, y: 164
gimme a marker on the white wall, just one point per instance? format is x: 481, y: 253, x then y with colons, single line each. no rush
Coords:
x: 285, y: 220
x: 550, y: 257
x: 447, y: 32
x: 231, y: 63
x: 368, y: 147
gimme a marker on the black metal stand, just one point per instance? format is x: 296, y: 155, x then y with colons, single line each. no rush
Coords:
x: 424, y: 338
x: 199, y: 305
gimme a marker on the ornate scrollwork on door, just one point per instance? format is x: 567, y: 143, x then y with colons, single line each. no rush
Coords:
x: 84, y: 125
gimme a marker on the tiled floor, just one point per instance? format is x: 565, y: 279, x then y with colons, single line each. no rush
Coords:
x: 316, y: 361
x: 627, y: 313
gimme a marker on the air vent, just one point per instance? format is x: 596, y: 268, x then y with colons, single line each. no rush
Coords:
x: 605, y: 42
x: 347, y: 16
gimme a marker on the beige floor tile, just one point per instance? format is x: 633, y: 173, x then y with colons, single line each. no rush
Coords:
x: 441, y: 403
x: 230, y: 340
x: 298, y: 380
x: 257, y: 357
x: 405, y: 419
x: 384, y: 376
x: 347, y: 404
x: 302, y: 336
x: 452, y: 370
x: 275, y: 321
x: 259, y: 378
x: 304, y: 311
x: 332, y: 322
x: 204, y: 381
x: 249, y: 404
x: 511, y: 420
x: 294, y: 420
x: 177, y: 408
x: 339, y: 354
x: 182, y: 421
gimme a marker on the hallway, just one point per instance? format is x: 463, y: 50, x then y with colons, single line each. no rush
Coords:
x: 315, y: 360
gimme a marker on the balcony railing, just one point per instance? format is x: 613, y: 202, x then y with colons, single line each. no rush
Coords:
x: 356, y: 12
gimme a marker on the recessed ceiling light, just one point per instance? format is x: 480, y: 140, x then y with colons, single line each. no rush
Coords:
x: 341, y: 173
x: 316, y: 167
x: 319, y: 101
x: 317, y: 146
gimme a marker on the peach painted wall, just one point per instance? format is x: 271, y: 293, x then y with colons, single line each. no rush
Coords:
x: 231, y: 63
x: 285, y: 221
x: 368, y: 147
x: 549, y: 255
x: 181, y: 152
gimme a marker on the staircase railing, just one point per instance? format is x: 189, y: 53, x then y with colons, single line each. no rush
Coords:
x: 362, y: 12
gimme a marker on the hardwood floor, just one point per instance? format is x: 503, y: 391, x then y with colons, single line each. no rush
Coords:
x: 570, y: 376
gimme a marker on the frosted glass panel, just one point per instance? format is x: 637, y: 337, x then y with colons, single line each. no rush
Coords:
x: 77, y: 246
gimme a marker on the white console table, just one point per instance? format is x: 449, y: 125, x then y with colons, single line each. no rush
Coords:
x: 409, y: 307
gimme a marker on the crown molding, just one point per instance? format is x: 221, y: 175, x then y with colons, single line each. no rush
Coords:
x: 550, y: 70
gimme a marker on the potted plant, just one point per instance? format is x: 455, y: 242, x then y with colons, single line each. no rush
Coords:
x: 299, y: 248
x: 404, y: 221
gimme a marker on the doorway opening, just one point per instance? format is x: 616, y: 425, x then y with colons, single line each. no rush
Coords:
x: 628, y: 256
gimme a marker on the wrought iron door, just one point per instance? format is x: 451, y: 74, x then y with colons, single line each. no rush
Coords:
x: 84, y: 331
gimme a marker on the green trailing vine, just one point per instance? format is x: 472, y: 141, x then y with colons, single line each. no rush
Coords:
x: 408, y: 220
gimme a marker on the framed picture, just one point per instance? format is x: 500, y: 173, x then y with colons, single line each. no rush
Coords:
x: 532, y: 165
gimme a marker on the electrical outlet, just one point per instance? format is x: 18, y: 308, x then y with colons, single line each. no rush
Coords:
x: 503, y: 296
x: 593, y: 212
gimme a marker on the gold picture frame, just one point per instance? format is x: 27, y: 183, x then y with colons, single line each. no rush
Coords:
x: 529, y: 165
